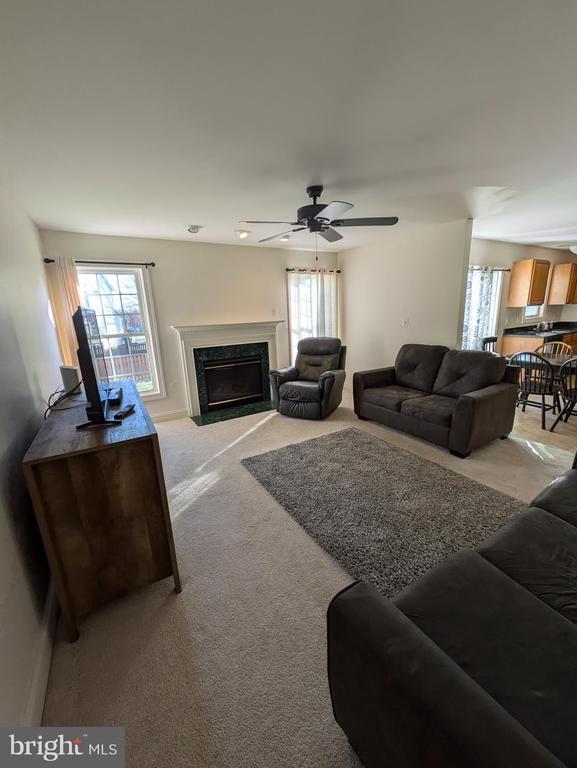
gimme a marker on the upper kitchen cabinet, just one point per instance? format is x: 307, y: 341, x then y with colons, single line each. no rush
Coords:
x: 563, y: 288
x: 528, y: 284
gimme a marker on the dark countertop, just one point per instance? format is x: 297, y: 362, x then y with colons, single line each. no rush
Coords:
x: 555, y: 334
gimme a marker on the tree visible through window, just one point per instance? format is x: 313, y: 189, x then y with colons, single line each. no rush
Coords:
x: 122, y: 344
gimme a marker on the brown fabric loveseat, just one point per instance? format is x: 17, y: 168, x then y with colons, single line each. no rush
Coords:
x: 460, y: 399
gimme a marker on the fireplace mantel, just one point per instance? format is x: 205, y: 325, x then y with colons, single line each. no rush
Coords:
x: 220, y: 334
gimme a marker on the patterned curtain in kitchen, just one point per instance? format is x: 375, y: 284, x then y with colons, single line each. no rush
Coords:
x: 482, y: 298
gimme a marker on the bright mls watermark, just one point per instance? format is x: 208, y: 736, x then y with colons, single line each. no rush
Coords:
x: 85, y: 747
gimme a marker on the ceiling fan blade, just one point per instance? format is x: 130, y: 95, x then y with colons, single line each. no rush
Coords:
x: 333, y: 210
x: 280, y: 234
x: 247, y: 221
x: 382, y: 221
x: 331, y: 235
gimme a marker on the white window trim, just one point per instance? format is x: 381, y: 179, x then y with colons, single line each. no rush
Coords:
x: 149, y: 318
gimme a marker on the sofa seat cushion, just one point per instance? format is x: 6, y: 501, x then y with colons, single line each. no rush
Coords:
x: 539, y: 551
x: 390, y: 397
x: 560, y: 497
x: 304, y: 391
x: 417, y: 365
x: 466, y: 370
x: 507, y: 640
x: 434, y: 409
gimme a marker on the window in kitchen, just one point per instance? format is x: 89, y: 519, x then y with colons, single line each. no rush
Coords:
x: 125, y: 346
x: 534, y: 311
x: 482, y: 300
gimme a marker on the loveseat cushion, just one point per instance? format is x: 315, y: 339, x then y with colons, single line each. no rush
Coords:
x: 304, y: 391
x: 390, y: 397
x: 417, y: 365
x: 316, y: 356
x: 512, y: 644
x: 538, y: 551
x: 466, y: 370
x: 434, y: 409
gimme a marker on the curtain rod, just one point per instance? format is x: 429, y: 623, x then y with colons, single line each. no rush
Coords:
x: 306, y: 269
x: 494, y: 269
x: 109, y: 263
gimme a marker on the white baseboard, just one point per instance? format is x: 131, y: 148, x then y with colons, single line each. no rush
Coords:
x: 39, y: 678
x: 168, y: 416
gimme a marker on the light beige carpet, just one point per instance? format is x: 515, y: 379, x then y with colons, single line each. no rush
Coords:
x: 232, y: 672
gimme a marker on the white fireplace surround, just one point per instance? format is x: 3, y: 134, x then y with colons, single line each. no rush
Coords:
x: 219, y: 335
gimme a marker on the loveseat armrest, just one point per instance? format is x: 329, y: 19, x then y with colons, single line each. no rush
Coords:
x: 278, y: 377
x: 401, y: 700
x: 331, y: 383
x: 482, y: 416
x: 560, y: 497
x: 377, y: 377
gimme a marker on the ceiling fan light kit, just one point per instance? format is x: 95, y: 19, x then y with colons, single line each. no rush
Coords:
x: 321, y: 218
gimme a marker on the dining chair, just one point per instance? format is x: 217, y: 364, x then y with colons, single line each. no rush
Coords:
x: 488, y: 343
x: 550, y: 348
x: 568, y: 379
x: 537, y: 378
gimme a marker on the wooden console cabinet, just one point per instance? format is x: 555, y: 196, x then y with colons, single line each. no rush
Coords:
x: 101, y: 505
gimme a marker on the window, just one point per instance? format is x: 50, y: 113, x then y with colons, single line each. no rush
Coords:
x: 124, y: 343
x: 534, y: 311
x: 313, y: 305
x: 482, y: 299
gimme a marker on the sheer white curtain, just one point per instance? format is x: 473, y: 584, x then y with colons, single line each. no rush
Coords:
x: 482, y: 299
x: 313, y: 298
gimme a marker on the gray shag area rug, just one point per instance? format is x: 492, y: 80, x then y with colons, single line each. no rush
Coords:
x: 384, y: 513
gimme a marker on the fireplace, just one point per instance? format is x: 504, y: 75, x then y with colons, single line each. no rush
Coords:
x: 233, y: 382
x: 232, y: 375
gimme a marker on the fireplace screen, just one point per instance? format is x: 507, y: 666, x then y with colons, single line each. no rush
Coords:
x: 233, y: 382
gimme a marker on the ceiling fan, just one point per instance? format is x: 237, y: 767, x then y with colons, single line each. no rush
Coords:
x: 322, y: 217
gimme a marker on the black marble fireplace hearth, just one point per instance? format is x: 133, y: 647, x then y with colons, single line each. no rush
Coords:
x: 231, y: 377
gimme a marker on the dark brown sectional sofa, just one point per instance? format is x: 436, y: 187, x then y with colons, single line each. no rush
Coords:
x: 460, y: 399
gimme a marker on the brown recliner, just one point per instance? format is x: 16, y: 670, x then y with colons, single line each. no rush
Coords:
x: 313, y: 387
x: 460, y: 399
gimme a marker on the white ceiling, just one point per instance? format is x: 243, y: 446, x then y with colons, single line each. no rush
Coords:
x: 141, y: 117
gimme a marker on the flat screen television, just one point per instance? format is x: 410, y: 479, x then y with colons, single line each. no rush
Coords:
x: 98, y: 396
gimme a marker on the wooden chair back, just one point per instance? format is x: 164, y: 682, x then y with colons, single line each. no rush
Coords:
x: 536, y: 376
x: 551, y: 348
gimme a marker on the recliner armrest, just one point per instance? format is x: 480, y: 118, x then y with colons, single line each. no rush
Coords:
x: 278, y: 377
x: 331, y: 383
x: 285, y: 374
x: 482, y: 416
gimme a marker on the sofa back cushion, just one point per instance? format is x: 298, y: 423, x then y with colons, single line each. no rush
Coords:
x: 417, y: 365
x: 316, y: 355
x: 465, y: 370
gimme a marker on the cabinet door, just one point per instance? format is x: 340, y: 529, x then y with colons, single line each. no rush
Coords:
x: 538, y: 282
x: 511, y: 344
x: 520, y: 283
x: 563, y: 283
x: 572, y: 297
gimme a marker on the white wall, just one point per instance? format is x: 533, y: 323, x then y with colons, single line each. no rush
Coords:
x: 29, y: 372
x: 196, y: 283
x: 493, y: 253
x: 415, y: 273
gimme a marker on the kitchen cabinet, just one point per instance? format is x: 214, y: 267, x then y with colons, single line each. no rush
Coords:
x: 571, y: 339
x: 528, y: 284
x: 511, y: 344
x: 563, y: 288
